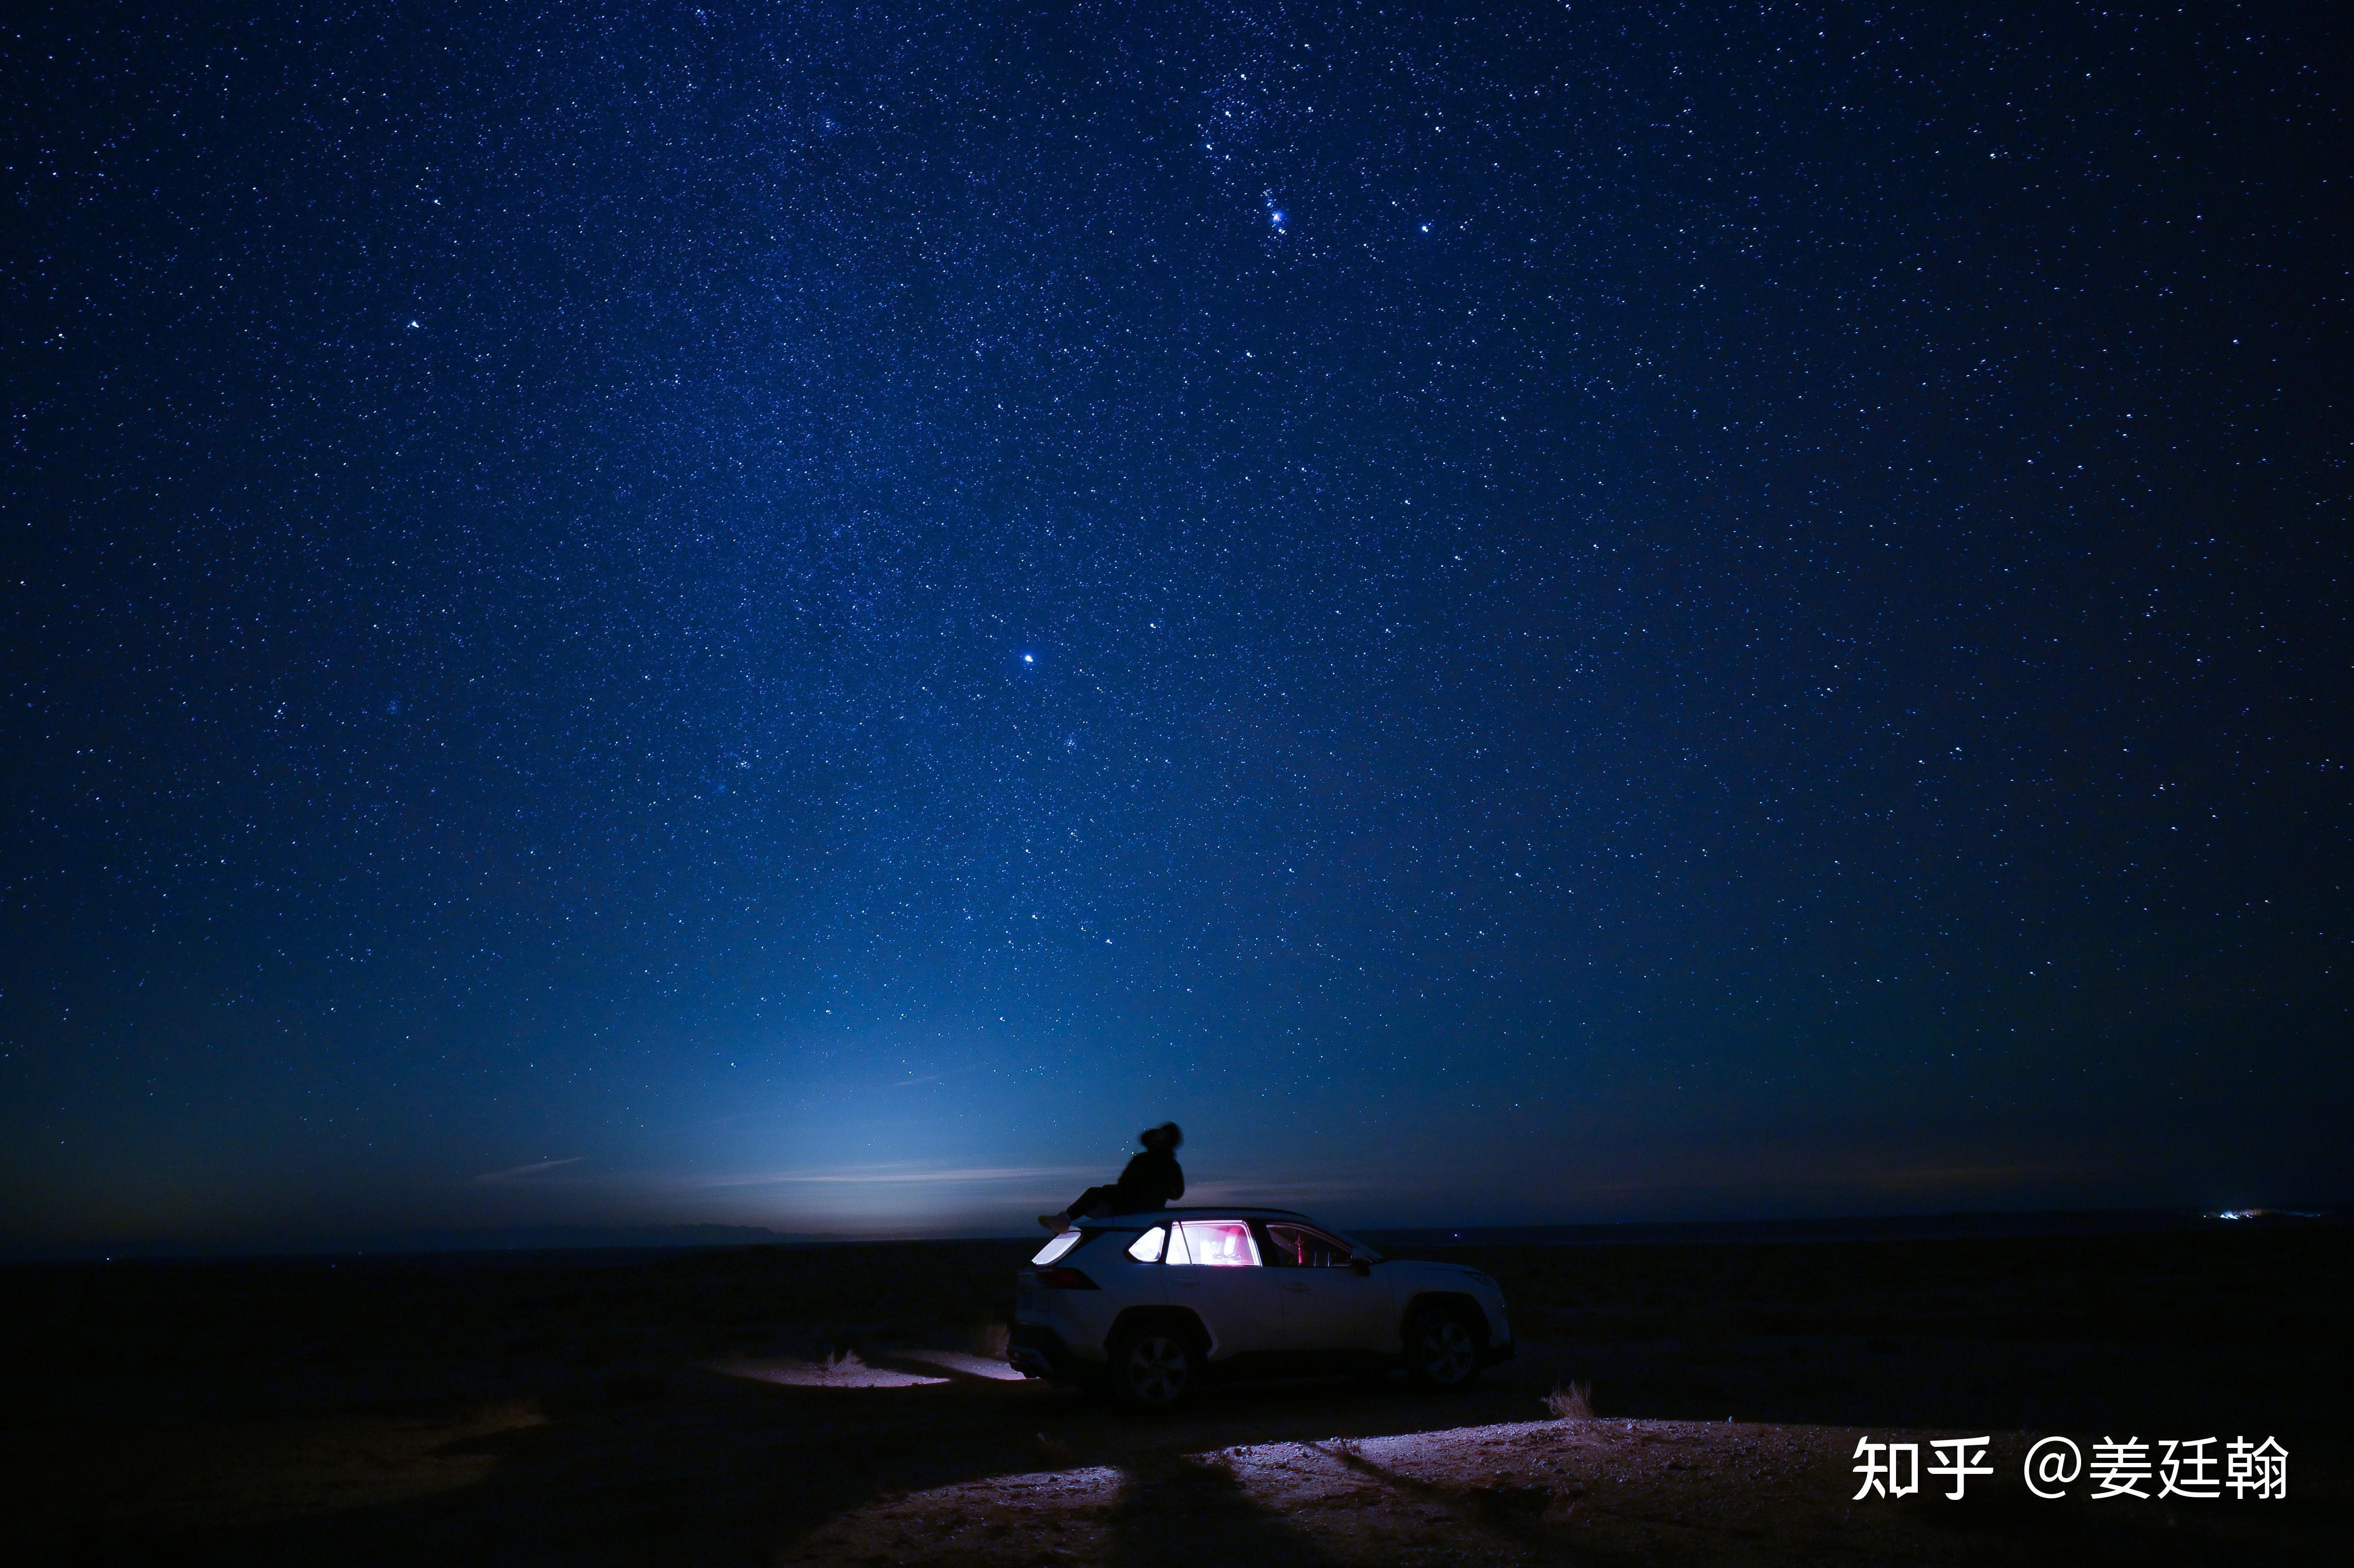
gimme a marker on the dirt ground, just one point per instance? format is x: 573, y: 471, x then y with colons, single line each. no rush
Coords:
x: 702, y: 1409
x: 1538, y: 1492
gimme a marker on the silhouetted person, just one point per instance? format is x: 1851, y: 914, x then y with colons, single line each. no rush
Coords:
x: 1152, y: 1180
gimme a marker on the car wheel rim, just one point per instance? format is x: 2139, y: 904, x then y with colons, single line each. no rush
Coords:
x: 1156, y: 1371
x: 1447, y: 1352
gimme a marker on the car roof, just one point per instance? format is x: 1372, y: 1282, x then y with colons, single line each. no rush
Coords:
x: 1157, y: 1216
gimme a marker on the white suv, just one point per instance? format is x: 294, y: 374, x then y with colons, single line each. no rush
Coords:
x: 1152, y: 1305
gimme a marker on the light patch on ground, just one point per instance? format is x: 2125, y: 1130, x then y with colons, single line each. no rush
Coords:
x: 841, y: 1372
x: 1528, y: 1492
x: 1516, y: 1485
x: 991, y: 1367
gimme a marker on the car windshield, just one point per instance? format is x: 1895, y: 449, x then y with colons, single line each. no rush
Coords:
x: 1305, y: 1246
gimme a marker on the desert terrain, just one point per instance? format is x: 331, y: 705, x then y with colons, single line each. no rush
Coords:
x: 844, y: 1403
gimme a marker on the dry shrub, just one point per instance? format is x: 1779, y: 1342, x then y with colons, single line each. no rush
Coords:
x: 1571, y: 1402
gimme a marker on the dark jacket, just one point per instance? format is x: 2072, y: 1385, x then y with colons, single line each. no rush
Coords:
x: 1152, y: 1180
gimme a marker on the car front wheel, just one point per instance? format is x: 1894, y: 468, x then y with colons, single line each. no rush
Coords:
x: 1154, y: 1369
x: 1441, y: 1349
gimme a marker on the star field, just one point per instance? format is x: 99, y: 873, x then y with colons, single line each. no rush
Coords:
x: 808, y: 616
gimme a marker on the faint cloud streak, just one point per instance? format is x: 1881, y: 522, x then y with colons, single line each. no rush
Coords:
x: 518, y: 1172
x: 891, y: 1175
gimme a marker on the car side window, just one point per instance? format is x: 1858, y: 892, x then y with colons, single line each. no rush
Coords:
x: 1213, y: 1243
x: 1146, y: 1248
x: 1298, y: 1247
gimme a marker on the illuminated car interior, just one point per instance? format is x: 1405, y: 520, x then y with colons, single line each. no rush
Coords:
x: 1213, y: 1243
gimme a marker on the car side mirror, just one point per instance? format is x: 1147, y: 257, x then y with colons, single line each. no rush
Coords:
x: 1361, y: 1264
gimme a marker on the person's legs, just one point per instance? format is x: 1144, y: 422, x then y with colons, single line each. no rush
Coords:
x: 1085, y: 1204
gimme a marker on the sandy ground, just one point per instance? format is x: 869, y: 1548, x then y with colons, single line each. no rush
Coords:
x: 570, y: 1416
x: 795, y: 1461
x: 1604, y: 1493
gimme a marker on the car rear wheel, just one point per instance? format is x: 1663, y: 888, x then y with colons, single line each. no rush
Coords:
x: 1441, y: 1349
x: 1153, y: 1368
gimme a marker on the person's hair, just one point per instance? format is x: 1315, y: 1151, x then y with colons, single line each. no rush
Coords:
x: 1167, y: 1132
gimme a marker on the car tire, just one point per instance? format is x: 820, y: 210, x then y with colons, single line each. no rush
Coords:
x: 1442, y: 1349
x: 1154, y: 1368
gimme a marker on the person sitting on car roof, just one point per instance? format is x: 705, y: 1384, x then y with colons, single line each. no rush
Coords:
x: 1152, y: 1181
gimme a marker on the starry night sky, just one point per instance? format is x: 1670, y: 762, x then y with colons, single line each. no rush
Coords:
x: 807, y: 616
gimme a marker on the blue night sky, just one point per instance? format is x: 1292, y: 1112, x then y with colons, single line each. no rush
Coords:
x: 807, y: 616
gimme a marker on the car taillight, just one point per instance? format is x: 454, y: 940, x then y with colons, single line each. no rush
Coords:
x: 1066, y: 1279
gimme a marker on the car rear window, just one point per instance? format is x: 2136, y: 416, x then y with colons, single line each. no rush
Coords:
x: 1056, y: 1248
